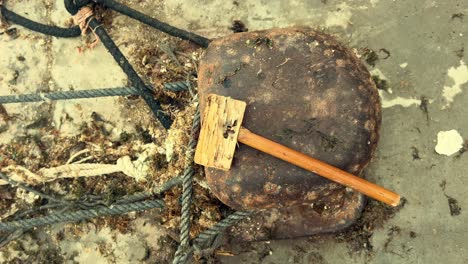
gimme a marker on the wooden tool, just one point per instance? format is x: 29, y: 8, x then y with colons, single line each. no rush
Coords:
x: 221, y: 130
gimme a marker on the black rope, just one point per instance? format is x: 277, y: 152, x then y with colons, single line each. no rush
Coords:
x: 164, y: 27
x: 133, y: 77
x: 74, y: 5
x: 38, y: 27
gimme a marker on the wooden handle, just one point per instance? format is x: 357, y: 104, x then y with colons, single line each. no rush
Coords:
x: 316, y: 166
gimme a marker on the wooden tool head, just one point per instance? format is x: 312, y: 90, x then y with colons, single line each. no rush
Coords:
x: 222, y: 120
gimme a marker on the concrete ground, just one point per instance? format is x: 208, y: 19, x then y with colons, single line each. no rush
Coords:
x: 420, y: 46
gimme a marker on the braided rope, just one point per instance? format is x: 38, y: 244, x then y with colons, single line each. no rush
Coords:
x: 82, y: 94
x: 10, y: 237
x: 177, y: 86
x: 132, y: 75
x: 207, y: 236
x: 182, y: 252
x: 29, y: 188
x: 210, y: 239
x: 205, y: 239
x: 116, y: 209
x: 93, y: 209
x: 157, y: 190
x: 73, y: 6
x: 66, y: 95
x: 13, y: 17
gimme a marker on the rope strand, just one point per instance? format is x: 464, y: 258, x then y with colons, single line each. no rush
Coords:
x: 182, y: 252
x: 38, y: 27
x: 82, y: 94
x: 116, y: 209
x: 67, y: 95
x: 73, y: 6
x: 133, y: 77
x: 208, y: 240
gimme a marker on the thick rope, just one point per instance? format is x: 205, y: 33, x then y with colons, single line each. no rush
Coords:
x: 58, y: 201
x: 38, y: 27
x: 116, y: 209
x: 93, y: 208
x: 67, y: 95
x: 82, y: 94
x: 209, y: 240
x: 182, y: 252
x: 166, y: 28
x: 156, y: 191
x: 134, y: 169
x: 29, y: 188
x: 177, y: 86
x: 205, y: 238
x: 133, y: 77
x: 74, y: 5
x: 54, y: 218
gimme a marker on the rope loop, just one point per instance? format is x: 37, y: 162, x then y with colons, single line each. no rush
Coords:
x: 73, y: 6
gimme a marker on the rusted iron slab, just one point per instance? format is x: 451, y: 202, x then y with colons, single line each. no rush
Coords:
x: 304, y: 90
x: 331, y: 214
x: 308, y: 92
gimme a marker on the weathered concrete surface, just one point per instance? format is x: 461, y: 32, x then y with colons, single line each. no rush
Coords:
x: 422, y: 37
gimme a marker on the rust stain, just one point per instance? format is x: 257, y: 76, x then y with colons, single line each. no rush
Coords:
x: 271, y: 188
x: 296, y: 81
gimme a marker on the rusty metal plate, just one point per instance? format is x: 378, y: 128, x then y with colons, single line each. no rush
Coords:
x: 331, y: 214
x: 304, y: 90
x: 307, y: 91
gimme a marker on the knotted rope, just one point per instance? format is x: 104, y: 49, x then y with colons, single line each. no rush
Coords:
x: 81, y: 19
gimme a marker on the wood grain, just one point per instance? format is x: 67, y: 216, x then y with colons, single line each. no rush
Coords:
x: 221, y: 122
x: 318, y: 167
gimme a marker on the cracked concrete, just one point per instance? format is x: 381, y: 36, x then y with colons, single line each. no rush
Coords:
x: 425, y: 40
